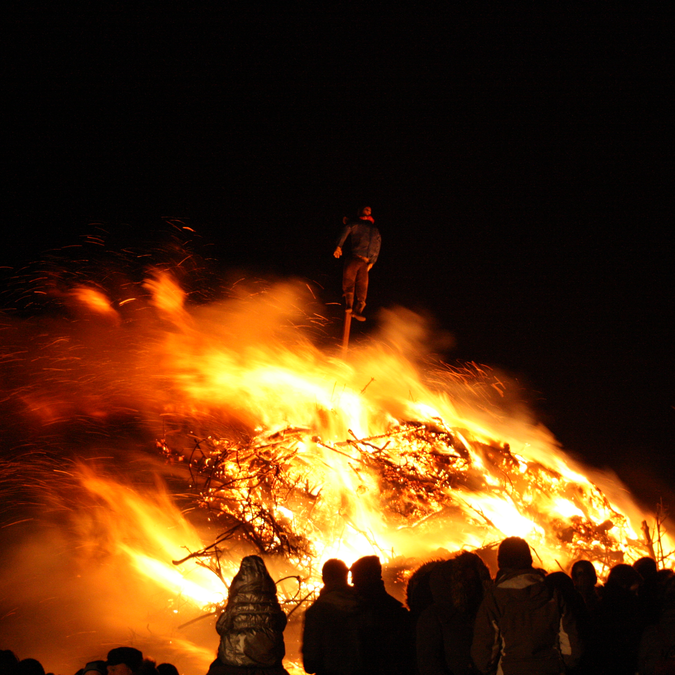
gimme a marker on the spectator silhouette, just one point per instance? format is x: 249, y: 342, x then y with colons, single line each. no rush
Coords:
x: 585, y: 580
x: 649, y: 592
x: 657, y: 647
x: 385, y: 633
x: 418, y: 594
x: 663, y: 577
x: 9, y: 662
x: 95, y: 668
x: 523, y: 627
x: 148, y: 667
x: 445, y: 629
x: 30, y: 667
x: 563, y: 584
x: 330, y: 637
x: 586, y: 628
x: 167, y: 669
x: 124, y: 661
x: 251, y: 627
x: 620, y: 624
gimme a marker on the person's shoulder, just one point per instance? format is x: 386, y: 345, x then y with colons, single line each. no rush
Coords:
x: 519, y: 577
x: 339, y: 599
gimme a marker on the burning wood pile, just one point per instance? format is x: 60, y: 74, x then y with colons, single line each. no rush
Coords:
x: 419, y: 490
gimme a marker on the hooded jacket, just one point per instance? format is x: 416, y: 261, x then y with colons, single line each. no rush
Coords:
x: 251, y: 627
x: 385, y: 631
x: 524, y: 628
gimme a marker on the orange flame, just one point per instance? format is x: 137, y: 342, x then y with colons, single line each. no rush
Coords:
x: 95, y: 301
x: 383, y: 452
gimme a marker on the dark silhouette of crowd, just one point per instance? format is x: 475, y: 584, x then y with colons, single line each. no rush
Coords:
x: 525, y: 621
x: 459, y: 621
x: 119, y: 661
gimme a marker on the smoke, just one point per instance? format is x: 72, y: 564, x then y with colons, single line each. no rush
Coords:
x: 68, y: 597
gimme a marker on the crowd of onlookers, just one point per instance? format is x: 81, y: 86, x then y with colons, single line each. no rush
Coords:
x: 459, y: 621
x: 525, y: 621
x: 120, y: 661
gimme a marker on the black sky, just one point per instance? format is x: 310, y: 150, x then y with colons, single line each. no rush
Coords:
x: 517, y: 164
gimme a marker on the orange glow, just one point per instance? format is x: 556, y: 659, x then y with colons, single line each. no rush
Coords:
x: 152, y: 533
x: 376, y: 454
x: 306, y: 456
x: 95, y: 301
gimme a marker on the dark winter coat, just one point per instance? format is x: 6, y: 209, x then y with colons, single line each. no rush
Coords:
x: 524, y: 627
x: 366, y: 239
x: 444, y: 641
x: 385, y: 633
x: 445, y: 627
x: 252, y: 625
x: 657, y: 648
x: 619, y: 629
x: 330, y: 637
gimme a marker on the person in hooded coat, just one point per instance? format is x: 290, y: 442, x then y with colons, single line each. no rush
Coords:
x: 523, y: 626
x: 252, y: 626
x: 445, y: 628
x: 330, y: 637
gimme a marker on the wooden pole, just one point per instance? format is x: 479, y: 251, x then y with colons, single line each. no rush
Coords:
x: 345, y: 334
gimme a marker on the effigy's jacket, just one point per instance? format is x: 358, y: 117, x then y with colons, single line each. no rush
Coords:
x: 251, y: 627
x: 366, y: 239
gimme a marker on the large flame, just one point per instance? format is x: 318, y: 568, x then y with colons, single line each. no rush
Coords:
x: 287, y: 449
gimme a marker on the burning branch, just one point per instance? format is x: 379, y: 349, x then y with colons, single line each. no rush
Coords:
x: 294, y: 495
x: 655, y: 544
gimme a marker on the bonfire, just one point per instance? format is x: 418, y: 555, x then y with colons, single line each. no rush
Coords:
x: 418, y: 491
x: 289, y: 449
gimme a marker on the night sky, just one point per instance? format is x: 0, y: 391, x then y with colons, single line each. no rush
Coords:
x: 517, y: 165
